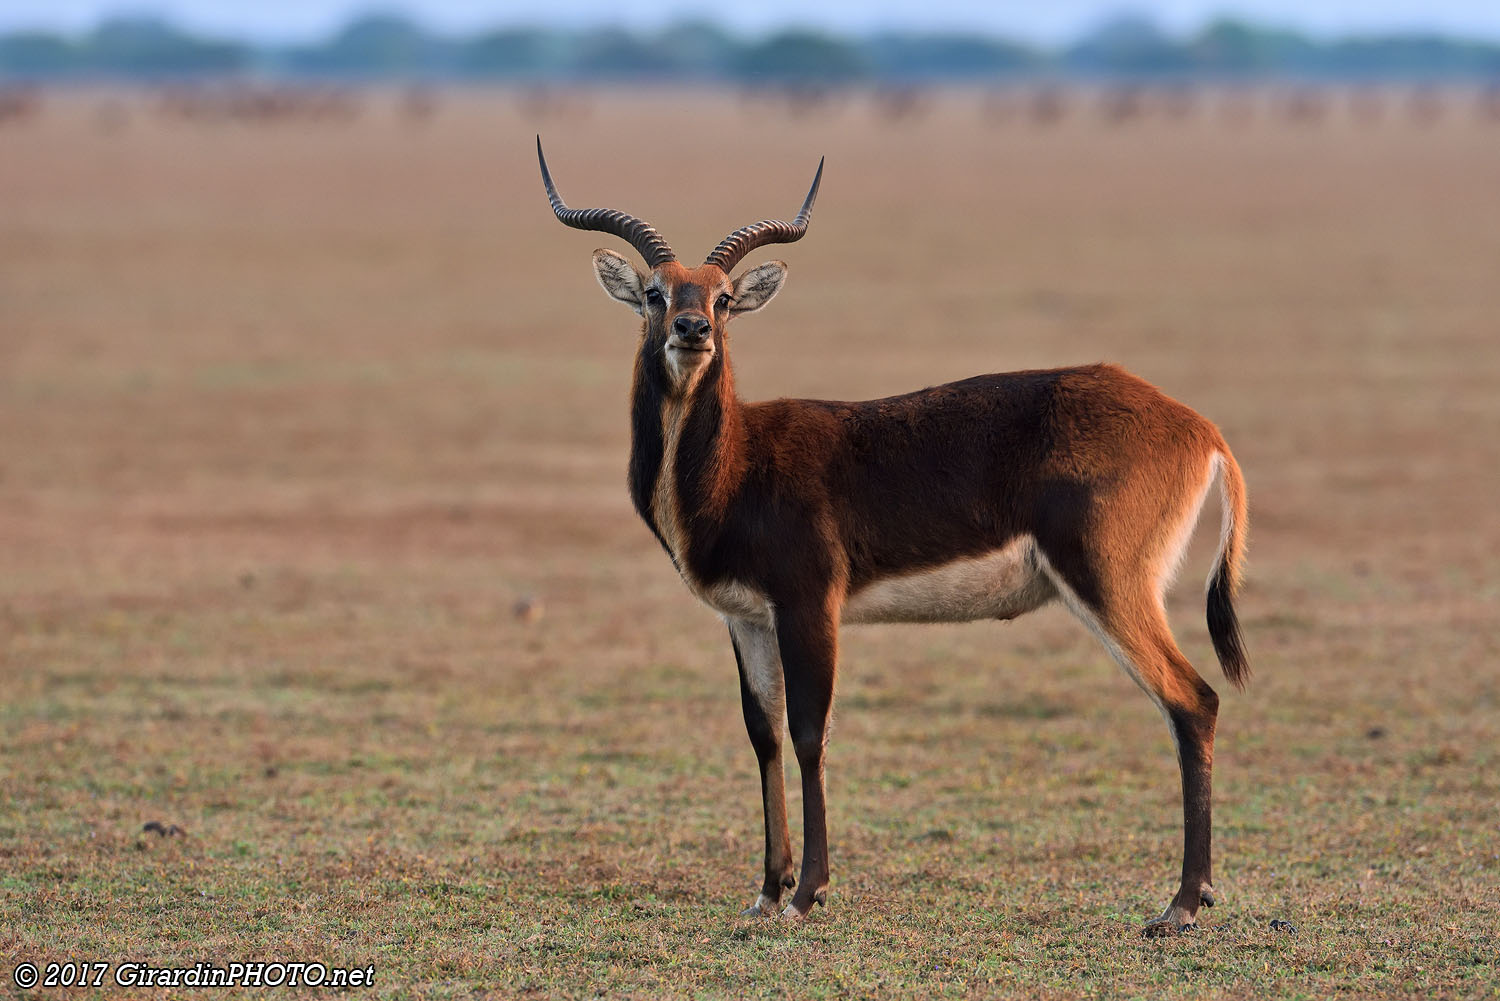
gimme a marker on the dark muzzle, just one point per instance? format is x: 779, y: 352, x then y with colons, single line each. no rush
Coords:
x: 692, y: 329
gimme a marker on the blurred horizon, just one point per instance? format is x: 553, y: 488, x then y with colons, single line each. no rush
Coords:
x: 286, y: 22
x: 153, y: 47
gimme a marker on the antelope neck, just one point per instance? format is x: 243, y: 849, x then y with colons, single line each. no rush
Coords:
x: 687, y: 452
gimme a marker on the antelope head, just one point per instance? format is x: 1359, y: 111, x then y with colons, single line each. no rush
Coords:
x: 685, y: 311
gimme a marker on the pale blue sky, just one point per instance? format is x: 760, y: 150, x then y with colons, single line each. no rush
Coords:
x: 1040, y: 20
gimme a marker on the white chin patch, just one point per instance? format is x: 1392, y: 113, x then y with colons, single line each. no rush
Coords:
x: 684, y: 363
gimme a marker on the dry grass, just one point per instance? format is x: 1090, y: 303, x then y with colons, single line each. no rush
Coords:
x: 290, y: 419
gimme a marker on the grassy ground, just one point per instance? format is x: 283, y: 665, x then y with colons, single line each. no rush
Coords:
x: 290, y: 419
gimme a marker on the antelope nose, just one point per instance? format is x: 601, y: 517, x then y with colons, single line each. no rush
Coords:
x: 691, y: 328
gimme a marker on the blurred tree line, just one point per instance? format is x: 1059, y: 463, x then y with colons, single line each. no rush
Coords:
x: 385, y: 46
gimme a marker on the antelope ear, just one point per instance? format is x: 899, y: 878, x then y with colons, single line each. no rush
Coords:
x: 758, y: 286
x: 620, y: 279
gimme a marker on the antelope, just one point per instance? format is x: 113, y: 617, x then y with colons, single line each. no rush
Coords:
x: 980, y: 499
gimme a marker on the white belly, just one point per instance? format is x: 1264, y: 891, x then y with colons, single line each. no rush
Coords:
x: 1001, y: 584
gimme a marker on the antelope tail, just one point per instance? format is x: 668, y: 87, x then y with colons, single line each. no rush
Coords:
x: 1224, y: 579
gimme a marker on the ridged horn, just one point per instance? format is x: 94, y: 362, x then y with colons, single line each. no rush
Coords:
x: 736, y: 245
x: 642, y: 235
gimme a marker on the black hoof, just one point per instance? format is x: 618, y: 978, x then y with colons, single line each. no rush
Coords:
x: 1174, y: 921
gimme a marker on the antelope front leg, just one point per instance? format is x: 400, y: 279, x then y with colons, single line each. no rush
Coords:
x: 763, y: 695
x: 809, y: 656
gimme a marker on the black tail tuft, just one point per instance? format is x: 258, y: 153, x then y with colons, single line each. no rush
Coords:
x: 1224, y: 627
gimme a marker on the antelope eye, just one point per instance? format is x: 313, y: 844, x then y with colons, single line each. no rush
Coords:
x: 725, y: 301
x: 654, y: 298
